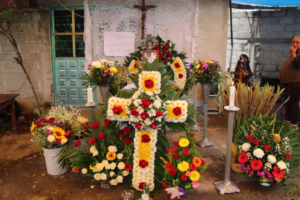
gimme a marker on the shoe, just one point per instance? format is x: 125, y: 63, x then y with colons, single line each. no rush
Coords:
x: 294, y: 126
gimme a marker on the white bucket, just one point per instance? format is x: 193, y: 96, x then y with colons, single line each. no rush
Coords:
x: 51, y: 161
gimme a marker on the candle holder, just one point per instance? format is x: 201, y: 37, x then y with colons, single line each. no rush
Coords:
x: 227, y: 186
x: 195, y: 127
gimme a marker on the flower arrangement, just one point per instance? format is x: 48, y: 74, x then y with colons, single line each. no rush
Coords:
x: 207, y: 71
x: 184, y: 165
x: 179, y: 72
x: 100, y: 73
x: 266, y: 149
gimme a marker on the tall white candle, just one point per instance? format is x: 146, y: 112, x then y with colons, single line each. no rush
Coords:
x: 89, y: 95
x: 231, y: 97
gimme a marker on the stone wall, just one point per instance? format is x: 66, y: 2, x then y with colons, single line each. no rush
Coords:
x: 265, y: 36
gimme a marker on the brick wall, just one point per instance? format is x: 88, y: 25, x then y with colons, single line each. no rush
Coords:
x: 265, y: 36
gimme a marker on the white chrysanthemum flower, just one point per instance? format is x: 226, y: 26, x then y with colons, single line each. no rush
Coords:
x: 112, y: 149
x: 258, y: 153
x: 113, y: 182
x: 268, y: 165
x: 103, y: 176
x: 246, y: 146
x: 84, y: 170
x: 97, y: 176
x: 271, y: 159
x: 125, y: 173
x: 64, y: 141
x: 119, y: 156
x: 157, y: 103
x: 136, y: 102
x: 99, y: 166
x: 148, y: 121
x: 112, y: 173
x: 152, y: 113
x: 96, y: 64
x: 95, y: 153
x: 113, y: 166
x: 50, y: 138
x: 281, y: 165
x: 105, y: 162
x: 92, y: 149
x: 121, y: 165
x: 119, y: 179
x: 140, y: 109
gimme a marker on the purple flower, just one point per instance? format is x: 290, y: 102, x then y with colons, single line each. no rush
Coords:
x: 49, y: 132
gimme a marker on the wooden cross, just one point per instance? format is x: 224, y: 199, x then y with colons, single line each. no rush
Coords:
x: 144, y: 9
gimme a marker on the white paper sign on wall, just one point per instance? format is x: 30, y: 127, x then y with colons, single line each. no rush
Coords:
x: 119, y: 43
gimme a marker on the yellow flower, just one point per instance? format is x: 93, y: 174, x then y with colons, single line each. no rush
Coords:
x: 94, y: 168
x: 197, y: 66
x: 32, y: 129
x: 82, y: 120
x: 113, y: 70
x: 253, y: 128
x: 58, y: 133
x: 111, y: 156
x: 183, y: 166
x: 183, y: 142
x: 277, y: 138
x: 194, y: 176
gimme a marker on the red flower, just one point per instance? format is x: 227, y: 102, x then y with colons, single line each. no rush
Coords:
x: 134, y: 112
x: 138, y: 125
x: 95, y: 125
x: 278, y: 173
x: 267, y: 147
x: 169, y: 166
x: 193, y: 167
x: 117, y: 110
x: 127, y: 167
x: 146, y: 103
x: 101, y: 136
x: 177, y: 111
x: 255, y: 142
x: 153, y: 125
x: 42, y: 120
x: 176, y: 144
x: 177, y: 65
x: 149, y: 84
x: 173, y: 171
x: 141, y: 185
x: 243, y: 158
x: 92, y: 140
x: 163, y: 185
x: 121, y: 134
x: 169, y: 55
x: 144, y: 115
x: 288, y: 156
x: 202, y: 162
x: 127, y: 141
x: 133, y: 74
x: 171, y: 150
x: 180, y: 75
x: 166, y: 60
x: 68, y: 134
x: 165, y: 50
x: 256, y: 164
x: 145, y: 138
x: 10, y: 2
x: 107, y: 122
x: 77, y: 143
x: 249, y: 138
x: 143, y: 163
x: 176, y: 156
x: 162, y: 56
x: 126, y: 129
x: 159, y: 43
x: 186, y: 152
x: 157, y: 47
x: 192, y: 136
x: 167, y: 46
x: 183, y: 177
x: 58, y: 140
x: 159, y: 113
x: 51, y: 120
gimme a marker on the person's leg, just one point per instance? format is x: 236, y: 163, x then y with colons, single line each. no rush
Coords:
x: 287, y: 105
x: 295, y: 90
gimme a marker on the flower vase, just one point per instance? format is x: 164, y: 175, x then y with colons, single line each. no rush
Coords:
x: 103, y: 92
x: 51, y: 158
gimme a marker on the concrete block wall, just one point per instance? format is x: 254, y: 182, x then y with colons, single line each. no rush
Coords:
x: 35, y: 47
x: 265, y: 36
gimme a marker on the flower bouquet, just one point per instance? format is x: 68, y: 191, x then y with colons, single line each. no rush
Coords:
x: 184, y: 166
x: 207, y: 71
x: 267, y: 149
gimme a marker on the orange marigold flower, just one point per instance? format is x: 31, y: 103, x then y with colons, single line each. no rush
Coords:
x: 111, y: 156
x: 74, y: 169
x: 197, y: 161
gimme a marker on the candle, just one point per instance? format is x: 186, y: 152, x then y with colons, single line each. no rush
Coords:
x: 89, y: 95
x: 231, y: 97
x: 145, y: 197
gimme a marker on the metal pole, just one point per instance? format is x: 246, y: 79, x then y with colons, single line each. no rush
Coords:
x: 231, y: 37
x: 196, y: 127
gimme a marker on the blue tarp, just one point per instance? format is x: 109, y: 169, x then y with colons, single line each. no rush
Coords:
x: 272, y: 3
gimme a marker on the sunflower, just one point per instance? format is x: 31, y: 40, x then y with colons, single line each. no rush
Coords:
x: 197, y: 161
x: 33, y: 128
x: 183, y: 166
x: 58, y: 133
x: 194, y: 176
x: 183, y: 142
x: 111, y: 156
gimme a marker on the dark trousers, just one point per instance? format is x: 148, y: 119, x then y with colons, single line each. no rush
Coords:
x: 292, y: 90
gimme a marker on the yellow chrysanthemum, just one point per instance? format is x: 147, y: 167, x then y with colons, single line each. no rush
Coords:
x: 113, y: 70
x: 194, y: 176
x: 198, y: 66
x: 32, y: 129
x: 145, y: 147
x: 146, y: 87
x: 183, y: 142
x: 58, y: 133
x: 277, y: 138
x: 183, y: 166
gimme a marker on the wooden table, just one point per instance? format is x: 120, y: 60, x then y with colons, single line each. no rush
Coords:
x: 6, y: 100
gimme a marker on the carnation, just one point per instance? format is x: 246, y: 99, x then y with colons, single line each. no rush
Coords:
x: 111, y: 174
x: 99, y: 166
x: 51, y: 138
x: 113, y: 182
x: 271, y: 159
x: 121, y: 165
x: 258, y: 153
x: 97, y: 176
x: 112, y: 149
x: 281, y: 165
x: 246, y: 146
x: 119, y: 156
x: 84, y: 170
x: 105, y: 162
x: 113, y: 166
x: 125, y: 173
x: 103, y: 176
x: 119, y: 179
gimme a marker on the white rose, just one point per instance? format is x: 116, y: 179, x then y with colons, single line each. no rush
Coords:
x: 125, y: 173
x: 92, y: 149
x: 99, y: 166
x: 103, y: 176
x: 95, y: 153
x: 111, y: 174
x: 51, y: 138
x: 64, y: 140
x: 258, y: 153
x: 84, y: 170
x: 281, y: 165
x: 107, y: 167
x: 105, y: 163
x: 246, y: 146
x: 97, y: 176
x: 271, y: 159
x: 119, y: 179
x: 119, y: 156
x: 121, y: 165
x: 112, y: 149
x: 113, y: 182
x: 113, y: 166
